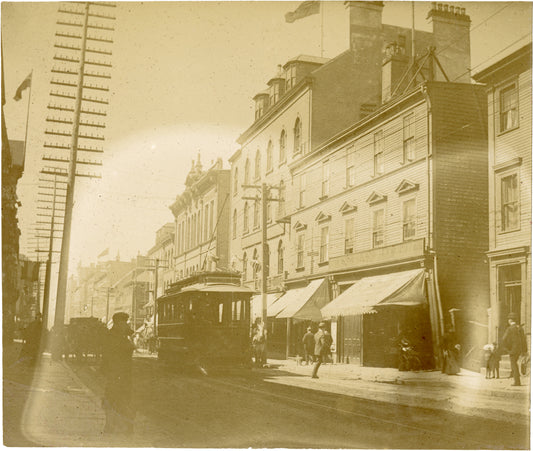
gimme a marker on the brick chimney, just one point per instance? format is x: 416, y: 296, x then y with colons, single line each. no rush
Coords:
x: 366, y: 44
x: 451, y: 34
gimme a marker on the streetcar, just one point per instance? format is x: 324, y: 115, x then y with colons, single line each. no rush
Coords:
x: 204, y: 320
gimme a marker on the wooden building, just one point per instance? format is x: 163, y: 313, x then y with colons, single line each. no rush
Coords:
x: 394, y: 216
x: 509, y: 100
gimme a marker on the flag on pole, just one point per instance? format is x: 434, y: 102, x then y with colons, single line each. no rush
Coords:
x: 304, y: 9
x: 103, y: 253
x: 25, y: 84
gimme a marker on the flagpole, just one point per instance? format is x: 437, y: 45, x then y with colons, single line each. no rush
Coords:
x: 321, y: 29
x: 28, y: 115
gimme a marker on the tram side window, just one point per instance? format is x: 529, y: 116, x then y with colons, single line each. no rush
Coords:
x: 236, y: 310
x: 181, y: 311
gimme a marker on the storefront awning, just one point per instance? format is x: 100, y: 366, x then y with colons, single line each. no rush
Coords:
x: 257, y: 304
x: 400, y: 288
x: 304, y: 303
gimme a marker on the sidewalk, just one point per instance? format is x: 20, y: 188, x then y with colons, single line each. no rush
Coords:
x: 467, y: 393
x: 48, y: 406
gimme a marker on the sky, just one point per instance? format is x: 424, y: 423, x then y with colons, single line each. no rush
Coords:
x: 183, y: 78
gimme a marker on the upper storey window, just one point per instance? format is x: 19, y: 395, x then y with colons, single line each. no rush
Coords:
x: 510, y: 207
x: 409, y: 138
x: 379, y: 166
x: 297, y: 136
x: 235, y: 181
x: 269, y: 156
x: 261, y: 104
x: 282, y: 146
x: 290, y: 77
x: 247, y: 172
x: 274, y: 93
x: 257, y: 171
x: 508, y: 107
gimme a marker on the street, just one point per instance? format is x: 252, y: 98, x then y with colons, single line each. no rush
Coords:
x: 238, y: 408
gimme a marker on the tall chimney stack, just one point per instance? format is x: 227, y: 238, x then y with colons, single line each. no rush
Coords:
x: 451, y: 34
x: 366, y: 43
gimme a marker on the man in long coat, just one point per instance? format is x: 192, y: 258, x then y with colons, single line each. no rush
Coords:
x: 323, y: 342
x: 117, y: 353
x: 514, y: 343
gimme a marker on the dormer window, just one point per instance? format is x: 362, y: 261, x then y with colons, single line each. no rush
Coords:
x: 290, y: 77
x: 274, y: 93
x: 261, y: 104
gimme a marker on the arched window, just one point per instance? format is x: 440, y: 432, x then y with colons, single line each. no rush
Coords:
x: 297, y: 135
x: 255, y: 267
x: 234, y: 224
x: 281, y: 202
x: 282, y: 146
x: 235, y: 181
x: 280, y: 257
x: 266, y: 260
x: 247, y: 172
x: 257, y: 172
x: 256, y: 214
x: 244, y: 266
x: 245, y: 216
x: 269, y: 156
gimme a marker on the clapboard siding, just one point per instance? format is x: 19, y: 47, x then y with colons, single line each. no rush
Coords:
x: 507, y: 147
x: 461, y: 194
x: 366, y: 183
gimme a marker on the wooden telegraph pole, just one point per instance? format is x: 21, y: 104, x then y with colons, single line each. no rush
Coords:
x: 89, y: 24
x: 264, y: 197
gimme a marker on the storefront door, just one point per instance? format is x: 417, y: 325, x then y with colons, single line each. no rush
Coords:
x: 510, y: 294
x: 351, y: 328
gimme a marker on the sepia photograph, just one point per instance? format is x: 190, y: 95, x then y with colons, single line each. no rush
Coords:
x: 266, y: 224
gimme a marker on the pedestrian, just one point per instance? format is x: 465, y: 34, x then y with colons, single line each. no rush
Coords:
x: 32, y: 340
x: 322, y: 346
x: 308, y: 341
x: 450, y: 352
x: 259, y: 343
x: 514, y: 344
x: 117, y: 358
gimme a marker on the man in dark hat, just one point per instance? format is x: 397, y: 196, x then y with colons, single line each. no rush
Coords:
x: 514, y: 343
x: 308, y: 341
x: 323, y: 342
x: 117, y: 353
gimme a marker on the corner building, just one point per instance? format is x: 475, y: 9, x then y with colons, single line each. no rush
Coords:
x: 381, y: 176
x: 201, y: 215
